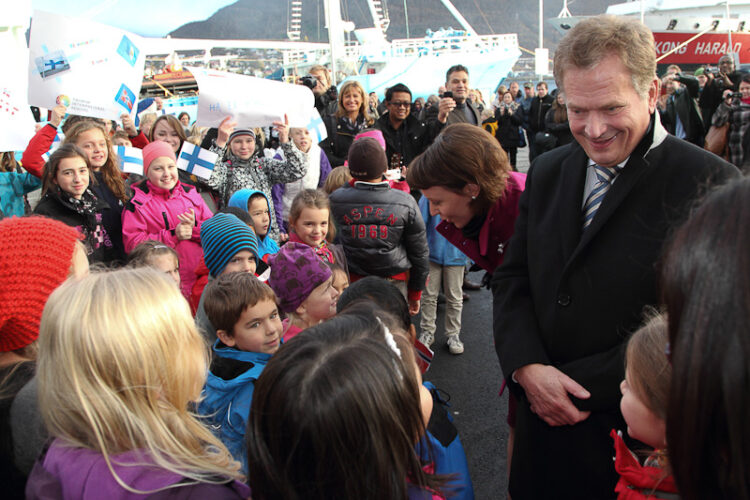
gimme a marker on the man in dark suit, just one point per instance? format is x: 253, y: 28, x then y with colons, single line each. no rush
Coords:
x: 682, y: 117
x: 581, y: 264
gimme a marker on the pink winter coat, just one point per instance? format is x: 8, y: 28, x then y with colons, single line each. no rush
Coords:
x: 152, y: 215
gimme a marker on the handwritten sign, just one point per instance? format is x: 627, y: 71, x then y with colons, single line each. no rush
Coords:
x: 98, y: 69
x: 251, y: 101
x: 16, y: 120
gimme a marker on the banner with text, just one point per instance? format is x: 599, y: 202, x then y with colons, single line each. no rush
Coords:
x: 250, y: 101
x: 94, y: 69
x: 16, y: 121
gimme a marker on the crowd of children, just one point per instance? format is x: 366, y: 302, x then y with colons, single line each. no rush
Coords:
x: 265, y: 348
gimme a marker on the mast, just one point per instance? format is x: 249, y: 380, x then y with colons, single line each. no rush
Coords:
x: 379, y: 13
x: 448, y: 5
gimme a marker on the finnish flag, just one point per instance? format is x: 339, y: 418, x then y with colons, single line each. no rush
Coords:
x: 197, y: 161
x: 59, y: 137
x: 317, y: 127
x: 130, y: 160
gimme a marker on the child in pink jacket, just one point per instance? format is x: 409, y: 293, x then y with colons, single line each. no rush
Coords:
x: 166, y: 210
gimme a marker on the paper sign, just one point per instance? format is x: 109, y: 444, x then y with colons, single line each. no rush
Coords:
x: 250, y: 101
x: 130, y: 160
x: 98, y: 69
x: 16, y: 121
x: 197, y: 161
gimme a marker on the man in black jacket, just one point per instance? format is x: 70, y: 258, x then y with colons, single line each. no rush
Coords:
x: 580, y: 266
x: 405, y: 135
x: 538, y: 110
x: 682, y: 117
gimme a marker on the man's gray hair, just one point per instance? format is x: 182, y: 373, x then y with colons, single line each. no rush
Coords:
x: 595, y: 38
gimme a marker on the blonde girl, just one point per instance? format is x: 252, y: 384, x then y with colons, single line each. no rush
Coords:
x: 338, y: 177
x: 310, y: 223
x: 645, y: 392
x: 115, y: 388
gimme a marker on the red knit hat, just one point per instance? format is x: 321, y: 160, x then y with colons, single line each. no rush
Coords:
x: 155, y: 150
x: 35, y: 258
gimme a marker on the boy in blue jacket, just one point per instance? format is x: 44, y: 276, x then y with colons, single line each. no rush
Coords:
x: 446, y: 268
x: 256, y: 204
x: 248, y: 327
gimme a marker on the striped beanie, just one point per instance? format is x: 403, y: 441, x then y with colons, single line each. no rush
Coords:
x: 223, y: 236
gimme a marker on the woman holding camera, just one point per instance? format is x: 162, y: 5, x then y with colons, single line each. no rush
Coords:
x: 735, y: 109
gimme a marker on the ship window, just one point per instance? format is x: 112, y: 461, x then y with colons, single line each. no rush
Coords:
x: 715, y: 25
x: 672, y: 24
x: 741, y: 27
x: 696, y: 26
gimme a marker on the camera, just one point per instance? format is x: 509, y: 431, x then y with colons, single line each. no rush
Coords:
x: 309, y: 81
x: 736, y: 95
x: 448, y: 93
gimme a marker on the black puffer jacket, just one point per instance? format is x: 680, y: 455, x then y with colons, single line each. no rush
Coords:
x: 382, y: 232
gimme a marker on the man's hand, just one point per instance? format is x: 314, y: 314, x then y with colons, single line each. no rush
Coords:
x: 547, y: 390
x: 128, y: 125
x: 445, y: 106
x: 226, y: 127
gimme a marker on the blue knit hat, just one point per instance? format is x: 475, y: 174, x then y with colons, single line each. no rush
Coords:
x: 223, y: 236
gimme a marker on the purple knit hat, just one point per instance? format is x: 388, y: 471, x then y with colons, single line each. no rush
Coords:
x: 296, y: 270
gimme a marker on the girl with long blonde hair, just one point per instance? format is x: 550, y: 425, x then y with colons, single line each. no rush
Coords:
x: 115, y: 391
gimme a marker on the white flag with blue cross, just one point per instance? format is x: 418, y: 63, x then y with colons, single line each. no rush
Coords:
x: 316, y: 127
x: 130, y: 159
x: 197, y: 161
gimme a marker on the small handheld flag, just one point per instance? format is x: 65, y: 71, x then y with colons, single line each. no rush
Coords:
x: 317, y: 127
x: 197, y: 161
x: 130, y: 160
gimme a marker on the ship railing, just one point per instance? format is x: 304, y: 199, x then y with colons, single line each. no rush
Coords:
x: 409, y: 47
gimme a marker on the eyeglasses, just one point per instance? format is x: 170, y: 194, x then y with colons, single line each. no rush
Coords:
x: 397, y: 104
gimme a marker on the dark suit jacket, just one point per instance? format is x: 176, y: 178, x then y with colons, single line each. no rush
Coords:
x: 571, y: 300
x: 683, y: 104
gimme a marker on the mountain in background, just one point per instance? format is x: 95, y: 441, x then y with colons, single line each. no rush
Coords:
x: 267, y: 20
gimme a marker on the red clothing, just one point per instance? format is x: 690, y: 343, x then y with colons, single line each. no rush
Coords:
x: 139, y: 141
x: 497, y: 229
x: 32, y: 159
x: 201, y: 280
x: 290, y: 331
x: 638, y: 481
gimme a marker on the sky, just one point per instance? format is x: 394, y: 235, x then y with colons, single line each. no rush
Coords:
x: 153, y: 18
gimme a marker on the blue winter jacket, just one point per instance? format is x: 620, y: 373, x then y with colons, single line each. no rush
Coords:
x: 442, y: 252
x: 228, y: 394
x: 442, y: 446
x: 266, y: 244
x: 13, y: 185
